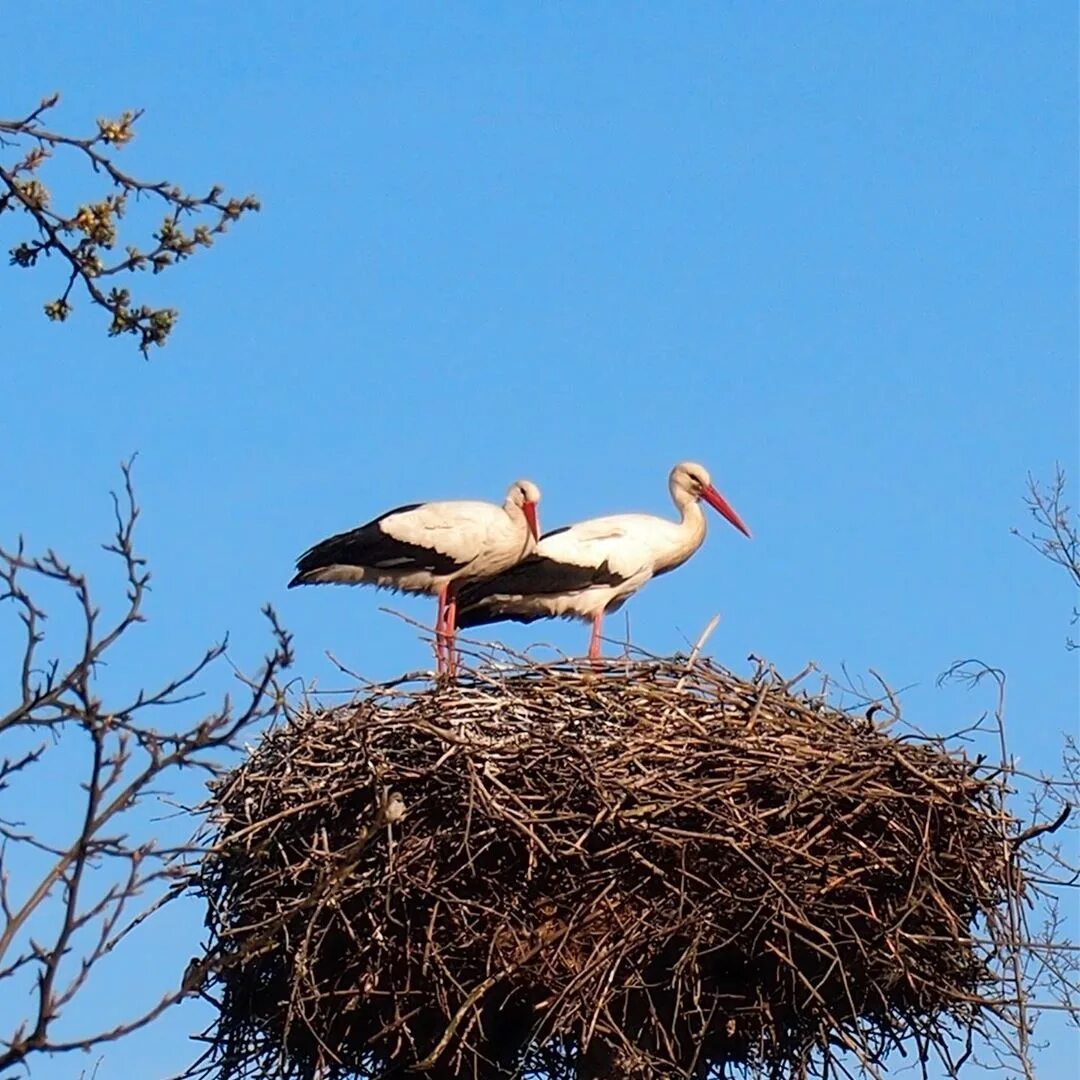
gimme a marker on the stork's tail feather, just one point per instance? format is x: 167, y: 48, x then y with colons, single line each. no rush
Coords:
x: 338, y: 560
x: 312, y: 568
x: 327, y: 574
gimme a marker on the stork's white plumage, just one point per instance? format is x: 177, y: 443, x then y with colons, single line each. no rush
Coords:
x: 429, y: 548
x: 586, y: 570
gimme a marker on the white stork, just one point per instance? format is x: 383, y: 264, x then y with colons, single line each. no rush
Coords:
x: 429, y: 548
x: 586, y: 570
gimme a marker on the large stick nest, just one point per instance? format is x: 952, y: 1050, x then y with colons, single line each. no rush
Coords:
x: 645, y: 870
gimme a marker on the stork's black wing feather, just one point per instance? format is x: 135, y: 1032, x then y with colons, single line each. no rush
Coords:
x: 370, y: 547
x: 494, y: 612
x: 492, y: 600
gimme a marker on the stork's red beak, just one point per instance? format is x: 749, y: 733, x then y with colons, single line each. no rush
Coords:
x: 529, y: 510
x: 720, y: 504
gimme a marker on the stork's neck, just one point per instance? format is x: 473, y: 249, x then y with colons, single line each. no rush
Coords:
x: 691, y: 519
x: 520, y: 524
x: 689, y: 533
x: 515, y: 513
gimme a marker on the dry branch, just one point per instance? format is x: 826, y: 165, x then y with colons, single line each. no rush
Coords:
x: 70, y: 899
x: 1056, y: 532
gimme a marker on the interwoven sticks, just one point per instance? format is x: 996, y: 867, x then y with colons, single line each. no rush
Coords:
x: 638, y: 871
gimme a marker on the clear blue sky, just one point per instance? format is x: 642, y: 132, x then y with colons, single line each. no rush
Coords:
x: 828, y: 250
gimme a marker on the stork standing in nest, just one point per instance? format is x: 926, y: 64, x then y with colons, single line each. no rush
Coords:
x: 431, y: 548
x: 587, y: 570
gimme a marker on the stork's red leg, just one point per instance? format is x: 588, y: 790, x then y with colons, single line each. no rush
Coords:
x: 440, y: 620
x: 450, y: 618
x: 594, y: 640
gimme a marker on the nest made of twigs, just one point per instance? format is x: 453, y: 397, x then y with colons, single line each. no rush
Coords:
x: 643, y: 870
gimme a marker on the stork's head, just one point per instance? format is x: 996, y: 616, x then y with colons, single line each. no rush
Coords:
x: 524, y: 496
x: 690, y: 480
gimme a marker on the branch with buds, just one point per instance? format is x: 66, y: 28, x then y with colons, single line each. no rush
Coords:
x: 86, y: 239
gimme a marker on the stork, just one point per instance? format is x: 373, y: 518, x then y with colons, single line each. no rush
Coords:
x: 429, y: 548
x: 586, y: 570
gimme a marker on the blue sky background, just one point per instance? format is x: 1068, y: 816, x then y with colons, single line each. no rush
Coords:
x: 828, y: 250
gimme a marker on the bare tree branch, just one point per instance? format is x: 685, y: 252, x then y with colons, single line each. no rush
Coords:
x: 1041, y: 960
x: 101, y: 882
x: 1056, y: 535
x: 85, y: 238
